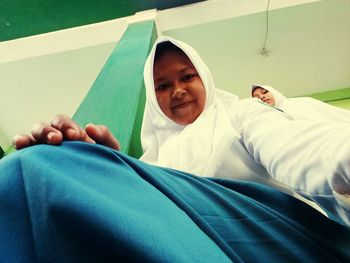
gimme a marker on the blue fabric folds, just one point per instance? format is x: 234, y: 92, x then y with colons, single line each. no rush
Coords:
x: 80, y: 202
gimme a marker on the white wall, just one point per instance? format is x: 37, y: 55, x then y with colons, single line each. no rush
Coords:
x: 36, y: 89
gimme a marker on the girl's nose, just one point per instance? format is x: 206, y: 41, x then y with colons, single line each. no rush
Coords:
x: 179, y: 92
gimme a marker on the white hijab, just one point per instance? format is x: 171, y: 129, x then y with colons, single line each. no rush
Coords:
x: 280, y: 99
x: 199, y: 147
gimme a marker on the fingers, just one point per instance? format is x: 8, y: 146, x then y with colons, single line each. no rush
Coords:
x: 70, y: 129
x: 23, y: 140
x: 45, y: 133
x: 41, y: 133
x: 62, y: 127
x: 102, y: 135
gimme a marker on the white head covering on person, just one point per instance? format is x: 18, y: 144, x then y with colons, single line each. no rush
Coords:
x: 279, y: 97
x: 166, y: 143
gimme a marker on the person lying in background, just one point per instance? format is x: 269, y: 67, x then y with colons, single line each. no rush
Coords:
x: 208, y: 138
x: 300, y: 107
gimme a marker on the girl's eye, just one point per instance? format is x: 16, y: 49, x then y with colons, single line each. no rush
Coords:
x: 188, y: 77
x: 162, y: 87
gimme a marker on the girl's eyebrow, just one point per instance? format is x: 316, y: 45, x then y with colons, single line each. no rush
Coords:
x: 180, y: 71
x: 185, y: 68
x: 160, y: 79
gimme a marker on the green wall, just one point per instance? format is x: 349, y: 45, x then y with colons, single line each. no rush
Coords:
x: 22, y: 18
x: 339, y: 98
x: 341, y: 103
x: 117, y: 97
x: 9, y: 150
x: 4, y: 143
x: 339, y: 94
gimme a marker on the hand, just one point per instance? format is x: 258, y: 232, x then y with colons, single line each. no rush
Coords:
x: 62, y: 128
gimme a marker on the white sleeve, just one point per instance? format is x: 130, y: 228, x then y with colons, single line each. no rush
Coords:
x: 312, y: 109
x: 312, y: 158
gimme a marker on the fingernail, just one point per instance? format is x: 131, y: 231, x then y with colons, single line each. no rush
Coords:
x: 89, y: 124
x: 71, y: 131
x: 16, y: 137
x: 50, y: 136
x: 14, y: 140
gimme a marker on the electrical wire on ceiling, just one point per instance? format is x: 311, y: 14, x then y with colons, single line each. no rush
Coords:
x: 264, y: 50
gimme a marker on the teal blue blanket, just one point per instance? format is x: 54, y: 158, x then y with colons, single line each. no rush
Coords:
x: 81, y: 202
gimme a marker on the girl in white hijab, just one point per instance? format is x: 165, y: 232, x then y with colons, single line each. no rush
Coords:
x: 241, y: 139
x: 185, y: 147
x: 301, y: 107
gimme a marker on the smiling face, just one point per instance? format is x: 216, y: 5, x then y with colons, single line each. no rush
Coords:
x: 179, y: 89
x: 264, y: 95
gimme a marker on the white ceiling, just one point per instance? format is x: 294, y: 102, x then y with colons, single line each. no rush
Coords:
x: 308, y: 43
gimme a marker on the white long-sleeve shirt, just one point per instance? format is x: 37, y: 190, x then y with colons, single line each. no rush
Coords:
x: 307, y: 157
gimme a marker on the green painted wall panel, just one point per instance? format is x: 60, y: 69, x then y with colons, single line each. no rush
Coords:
x: 9, y: 150
x: 22, y: 18
x: 345, y: 104
x: 334, y: 95
x: 116, y: 99
x: 339, y: 98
